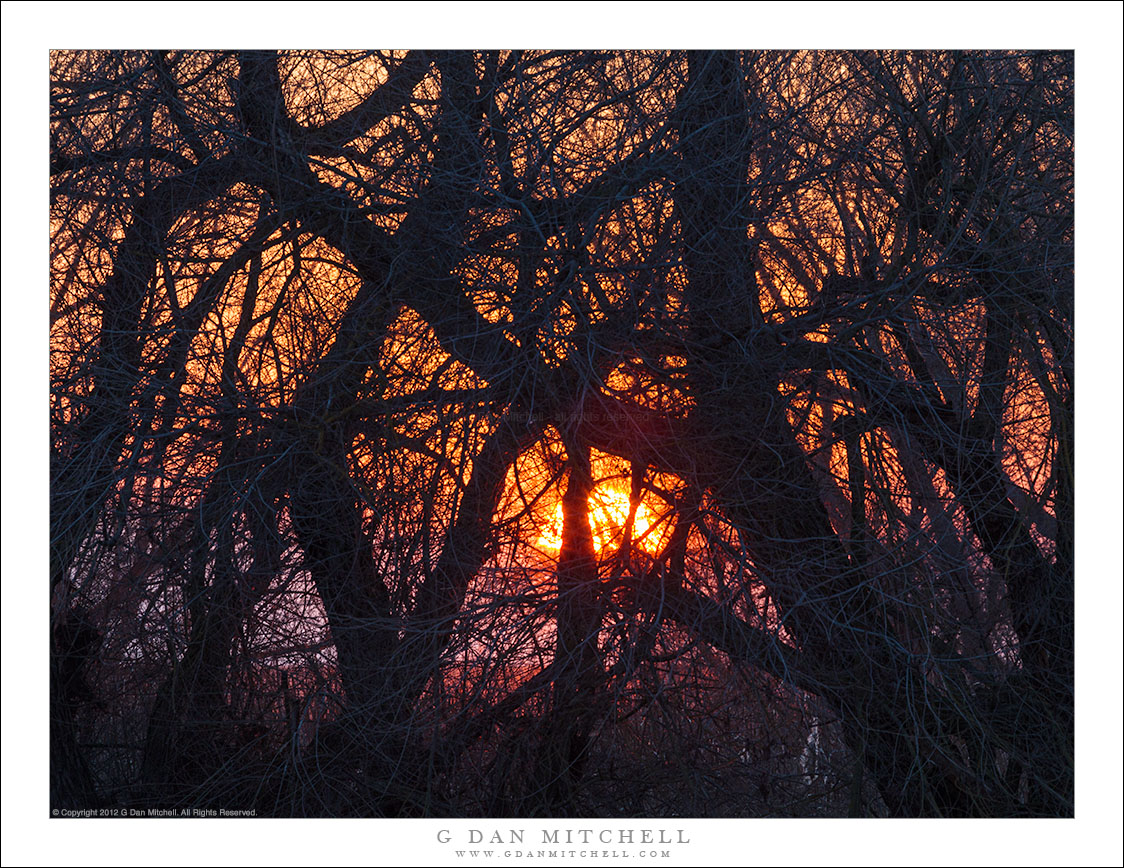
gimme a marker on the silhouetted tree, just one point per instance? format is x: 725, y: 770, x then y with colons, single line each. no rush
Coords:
x: 563, y: 432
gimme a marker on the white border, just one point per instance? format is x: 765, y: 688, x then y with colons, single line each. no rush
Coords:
x: 1093, y: 29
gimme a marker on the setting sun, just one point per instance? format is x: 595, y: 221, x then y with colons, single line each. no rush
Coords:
x: 608, y: 515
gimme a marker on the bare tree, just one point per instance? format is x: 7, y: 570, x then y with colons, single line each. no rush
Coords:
x: 563, y: 432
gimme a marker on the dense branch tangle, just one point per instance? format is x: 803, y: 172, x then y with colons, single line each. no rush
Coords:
x: 563, y: 432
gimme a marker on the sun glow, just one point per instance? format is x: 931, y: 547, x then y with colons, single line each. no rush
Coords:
x: 608, y: 515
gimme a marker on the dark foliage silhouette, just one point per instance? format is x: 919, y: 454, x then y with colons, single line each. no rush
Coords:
x: 562, y: 433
